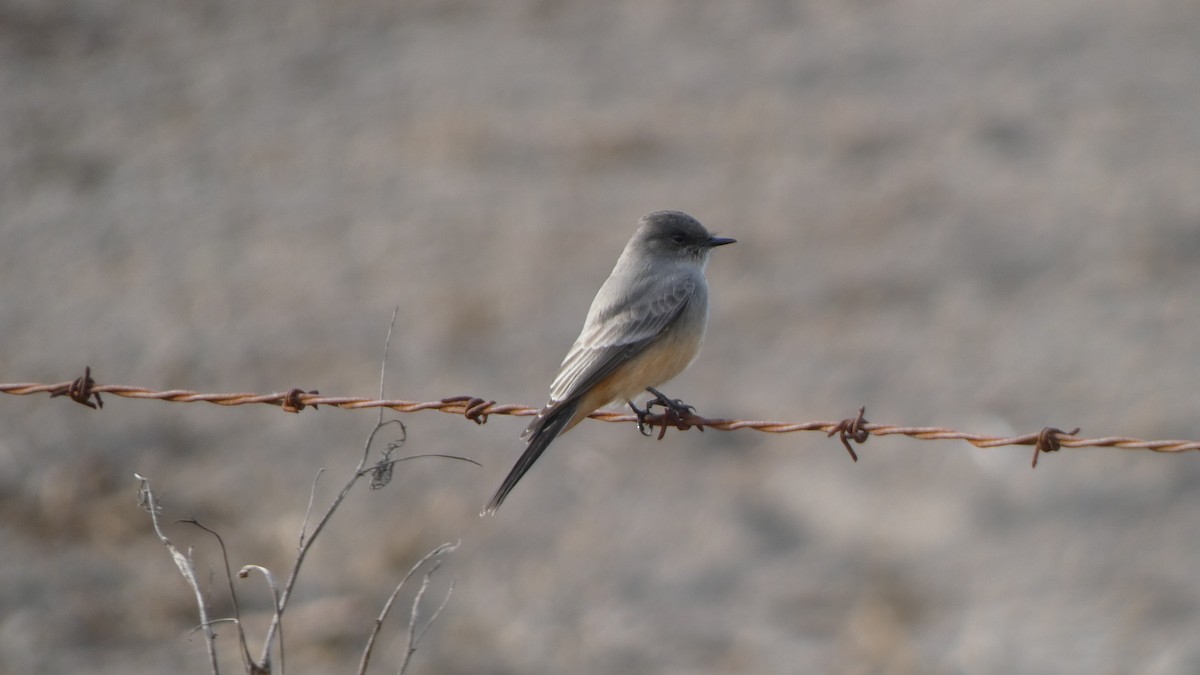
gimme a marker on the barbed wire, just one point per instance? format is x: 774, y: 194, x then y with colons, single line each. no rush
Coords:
x: 86, y: 391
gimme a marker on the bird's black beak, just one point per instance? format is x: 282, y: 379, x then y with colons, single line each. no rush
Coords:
x: 720, y: 241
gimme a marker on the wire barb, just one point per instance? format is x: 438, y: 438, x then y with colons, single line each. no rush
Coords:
x: 293, y: 403
x: 474, y: 408
x: 1049, y: 439
x: 852, y: 429
x: 80, y: 390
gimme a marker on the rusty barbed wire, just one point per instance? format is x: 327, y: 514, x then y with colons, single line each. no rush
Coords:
x: 856, y: 429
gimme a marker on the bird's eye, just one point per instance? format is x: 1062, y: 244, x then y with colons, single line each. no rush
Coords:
x: 678, y: 238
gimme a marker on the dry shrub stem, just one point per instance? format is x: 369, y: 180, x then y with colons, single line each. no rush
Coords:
x: 83, y: 388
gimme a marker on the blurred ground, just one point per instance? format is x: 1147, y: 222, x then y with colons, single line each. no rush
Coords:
x: 982, y: 215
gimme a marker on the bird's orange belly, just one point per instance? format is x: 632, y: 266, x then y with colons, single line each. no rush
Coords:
x: 660, y: 362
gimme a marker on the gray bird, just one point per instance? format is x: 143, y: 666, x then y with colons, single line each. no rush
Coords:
x: 645, y: 327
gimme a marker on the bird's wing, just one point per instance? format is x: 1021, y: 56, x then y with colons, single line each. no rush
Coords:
x: 616, y: 334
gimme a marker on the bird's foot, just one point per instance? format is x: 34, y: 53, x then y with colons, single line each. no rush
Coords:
x: 641, y: 417
x: 674, y: 408
x: 675, y: 413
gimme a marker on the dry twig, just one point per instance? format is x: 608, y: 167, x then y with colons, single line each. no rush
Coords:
x: 84, y: 388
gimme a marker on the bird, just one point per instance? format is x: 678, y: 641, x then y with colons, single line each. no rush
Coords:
x: 644, y: 327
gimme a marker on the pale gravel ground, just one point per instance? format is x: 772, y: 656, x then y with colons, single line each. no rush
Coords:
x: 984, y: 215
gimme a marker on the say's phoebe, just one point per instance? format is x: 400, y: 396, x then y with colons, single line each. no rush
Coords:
x: 645, y: 326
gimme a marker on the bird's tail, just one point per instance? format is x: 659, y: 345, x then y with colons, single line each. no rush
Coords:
x: 541, y: 434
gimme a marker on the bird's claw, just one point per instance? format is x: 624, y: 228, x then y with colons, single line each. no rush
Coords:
x: 674, y: 408
x: 641, y: 417
x: 675, y: 412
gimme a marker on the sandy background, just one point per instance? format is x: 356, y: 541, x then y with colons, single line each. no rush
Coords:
x: 982, y: 215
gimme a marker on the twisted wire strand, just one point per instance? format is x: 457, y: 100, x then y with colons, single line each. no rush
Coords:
x: 83, y: 390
